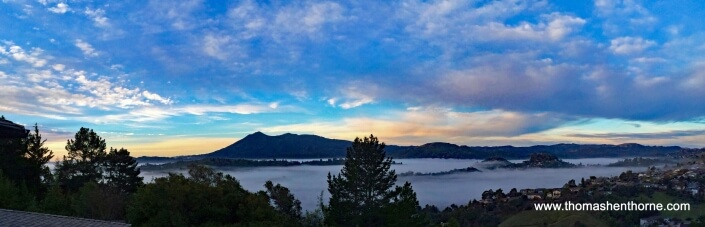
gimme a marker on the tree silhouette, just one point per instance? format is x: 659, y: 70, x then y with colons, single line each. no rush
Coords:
x: 284, y: 201
x: 85, y: 155
x: 121, y: 171
x: 37, y: 156
x: 362, y: 194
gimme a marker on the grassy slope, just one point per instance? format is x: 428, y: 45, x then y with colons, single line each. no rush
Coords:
x: 552, y: 218
x: 663, y: 198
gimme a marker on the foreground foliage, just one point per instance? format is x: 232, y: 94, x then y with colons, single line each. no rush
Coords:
x: 203, y: 198
x: 362, y: 194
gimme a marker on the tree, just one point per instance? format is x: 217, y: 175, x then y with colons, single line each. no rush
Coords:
x: 99, y: 202
x: 121, y: 171
x: 56, y: 202
x: 513, y: 193
x: 14, y: 196
x: 403, y: 211
x: 85, y: 154
x: 361, y: 194
x: 206, y: 198
x: 284, y: 201
x: 23, y: 160
x: 37, y: 156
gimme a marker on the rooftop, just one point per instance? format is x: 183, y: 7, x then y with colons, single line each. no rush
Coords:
x: 11, y: 218
x: 9, y: 129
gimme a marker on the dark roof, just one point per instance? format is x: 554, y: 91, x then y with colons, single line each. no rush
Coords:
x: 13, y: 218
x: 9, y: 129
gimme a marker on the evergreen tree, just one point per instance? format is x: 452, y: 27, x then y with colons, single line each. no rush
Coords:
x: 99, y: 202
x: 37, y: 156
x: 362, y: 194
x: 206, y: 198
x: 56, y: 202
x: 121, y: 171
x: 14, y: 196
x: 85, y: 155
x: 284, y: 201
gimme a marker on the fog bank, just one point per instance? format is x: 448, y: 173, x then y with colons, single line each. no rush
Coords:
x: 307, y: 182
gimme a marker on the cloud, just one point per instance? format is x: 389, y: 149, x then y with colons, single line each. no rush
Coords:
x: 630, y: 45
x: 310, y: 19
x: 675, y: 134
x: 87, y: 49
x: 61, y: 92
x: 154, y: 114
x: 431, y: 124
x: 461, y: 22
x: 215, y: 46
x: 60, y: 8
x: 19, y: 54
x: 98, y: 17
x: 525, y: 82
x: 58, y: 67
x: 354, y: 94
x: 622, y: 16
x: 159, y: 16
x: 156, y: 97
x: 555, y: 27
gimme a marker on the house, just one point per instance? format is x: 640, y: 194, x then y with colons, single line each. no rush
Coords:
x: 693, y: 187
x: 30, y: 219
x: 524, y: 191
x: 649, y: 221
x: 691, y: 174
x: 533, y: 196
x: 9, y: 129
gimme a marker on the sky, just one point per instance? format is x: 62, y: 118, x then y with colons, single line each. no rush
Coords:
x: 189, y: 77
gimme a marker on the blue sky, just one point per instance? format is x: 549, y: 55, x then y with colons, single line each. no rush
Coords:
x: 185, y: 77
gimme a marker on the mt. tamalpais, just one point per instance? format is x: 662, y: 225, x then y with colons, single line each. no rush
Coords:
x: 261, y: 146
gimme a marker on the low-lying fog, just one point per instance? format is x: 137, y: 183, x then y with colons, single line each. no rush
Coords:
x: 307, y: 182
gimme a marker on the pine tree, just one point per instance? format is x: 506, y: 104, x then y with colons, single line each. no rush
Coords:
x: 37, y: 156
x: 362, y: 194
x: 284, y: 201
x: 121, y: 171
x: 85, y: 155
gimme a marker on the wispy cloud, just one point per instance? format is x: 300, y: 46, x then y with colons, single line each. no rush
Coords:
x: 630, y: 45
x: 16, y: 52
x: 654, y: 135
x: 432, y: 124
x: 58, y: 92
x: 87, y: 49
x: 60, y: 8
x: 152, y: 115
x: 98, y: 17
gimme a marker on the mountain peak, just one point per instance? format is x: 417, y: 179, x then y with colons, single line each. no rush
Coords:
x: 288, y: 145
x: 258, y: 133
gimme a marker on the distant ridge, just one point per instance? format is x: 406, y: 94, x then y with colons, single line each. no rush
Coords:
x: 261, y: 146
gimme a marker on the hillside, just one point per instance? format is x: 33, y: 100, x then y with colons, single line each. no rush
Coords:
x: 542, y: 160
x: 552, y: 218
x: 261, y: 146
x: 494, y: 163
x: 447, y: 150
